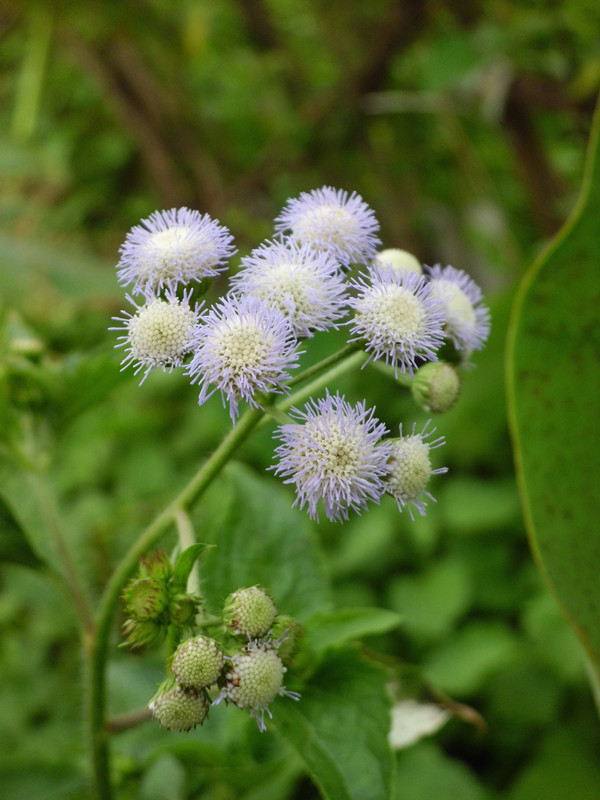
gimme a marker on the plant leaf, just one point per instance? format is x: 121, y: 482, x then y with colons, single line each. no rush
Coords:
x: 14, y: 545
x: 184, y: 564
x: 330, y: 628
x: 553, y: 388
x: 340, y: 728
x: 260, y: 540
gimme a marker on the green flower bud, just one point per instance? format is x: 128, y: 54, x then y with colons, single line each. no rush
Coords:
x: 142, y: 633
x: 179, y: 709
x: 156, y: 565
x: 286, y: 633
x: 249, y: 612
x: 183, y: 609
x: 197, y: 663
x: 436, y: 386
x: 400, y: 261
x: 254, y: 680
x: 145, y: 598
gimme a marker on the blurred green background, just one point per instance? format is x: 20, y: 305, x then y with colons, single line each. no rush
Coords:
x: 464, y: 126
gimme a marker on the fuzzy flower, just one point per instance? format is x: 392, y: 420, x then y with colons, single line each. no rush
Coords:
x: 409, y: 469
x: 399, y: 260
x: 173, y: 247
x: 397, y: 317
x: 466, y: 317
x: 334, y: 455
x: 243, y: 346
x: 254, y: 680
x: 159, y: 333
x: 332, y: 220
x: 304, y: 284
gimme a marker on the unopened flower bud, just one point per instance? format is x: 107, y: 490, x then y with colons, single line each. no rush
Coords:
x: 398, y: 260
x: 249, y: 612
x: 436, y: 386
x: 146, y: 598
x: 156, y: 565
x: 409, y: 469
x: 179, y: 709
x: 197, y: 663
x: 183, y: 609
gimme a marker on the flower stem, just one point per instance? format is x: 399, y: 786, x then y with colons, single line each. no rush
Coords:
x: 352, y: 359
x: 96, y: 676
x: 324, y: 364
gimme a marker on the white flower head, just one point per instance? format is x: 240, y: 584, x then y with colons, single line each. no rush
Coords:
x: 335, y: 455
x: 396, y: 317
x: 304, y: 284
x: 466, y: 317
x: 331, y: 220
x: 160, y: 333
x: 409, y: 469
x: 172, y: 248
x: 243, y: 347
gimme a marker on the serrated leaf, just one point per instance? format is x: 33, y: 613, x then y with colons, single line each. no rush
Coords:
x: 553, y: 388
x: 331, y: 628
x: 340, y: 728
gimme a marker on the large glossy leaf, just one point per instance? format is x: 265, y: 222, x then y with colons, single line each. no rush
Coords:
x: 340, y: 728
x: 554, y: 389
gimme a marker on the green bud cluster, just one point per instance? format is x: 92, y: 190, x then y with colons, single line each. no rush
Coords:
x: 243, y: 662
x: 153, y: 602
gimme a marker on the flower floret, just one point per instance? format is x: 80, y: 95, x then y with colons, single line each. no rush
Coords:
x: 333, y: 454
x: 243, y: 346
x: 305, y: 284
x: 334, y: 221
x: 396, y: 317
x: 173, y: 247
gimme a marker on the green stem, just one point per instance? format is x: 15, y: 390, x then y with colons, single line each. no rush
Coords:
x: 352, y: 359
x: 185, y: 534
x: 109, y: 603
x: 324, y: 364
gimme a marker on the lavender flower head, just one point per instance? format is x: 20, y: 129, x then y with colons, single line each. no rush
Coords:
x: 243, y: 346
x: 397, y: 317
x: 466, y: 318
x: 331, y: 220
x: 158, y: 334
x: 304, y: 284
x: 409, y: 469
x: 334, y: 455
x: 173, y: 247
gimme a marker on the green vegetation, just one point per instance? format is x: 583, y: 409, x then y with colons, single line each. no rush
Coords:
x: 464, y: 126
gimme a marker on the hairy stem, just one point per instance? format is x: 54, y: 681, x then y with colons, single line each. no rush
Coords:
x: 98, y: 729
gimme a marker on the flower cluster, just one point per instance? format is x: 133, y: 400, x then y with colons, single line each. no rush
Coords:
x: 241, y: 664
x: 320, y: 270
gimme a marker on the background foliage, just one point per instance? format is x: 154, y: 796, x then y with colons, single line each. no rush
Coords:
x: 464, y: 127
